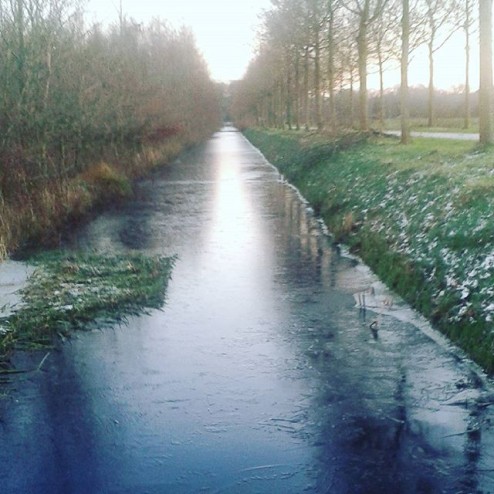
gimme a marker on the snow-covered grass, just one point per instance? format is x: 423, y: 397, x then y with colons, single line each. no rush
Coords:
x: 420, y: 215
x: 70, y: 291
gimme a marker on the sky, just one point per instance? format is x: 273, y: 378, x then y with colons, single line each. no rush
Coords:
x: 225, y: 32
x: 449, y: 66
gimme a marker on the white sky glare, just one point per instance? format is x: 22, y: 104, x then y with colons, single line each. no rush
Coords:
x: 225, y: 30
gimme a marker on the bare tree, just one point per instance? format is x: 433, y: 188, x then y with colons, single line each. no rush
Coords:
x: 332, y: 9
x: 347, y: 67
x: 366, y: 11
x: 442, y: 23
x: 485, y: 92
x: 384, y: 40
x: 468, y: 22
x: 405, y: 51
x: 316, y: 38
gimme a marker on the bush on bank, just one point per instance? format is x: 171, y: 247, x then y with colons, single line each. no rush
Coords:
x: 420, y: 216
x: 75, y: 97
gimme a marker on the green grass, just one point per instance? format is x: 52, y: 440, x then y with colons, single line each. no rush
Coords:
x: 419, y: 215
x: 70, y: 291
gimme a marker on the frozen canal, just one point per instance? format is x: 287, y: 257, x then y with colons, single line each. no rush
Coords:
x: 259, y: 376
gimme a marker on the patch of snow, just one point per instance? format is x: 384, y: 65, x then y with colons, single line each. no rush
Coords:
x: 13, y: 278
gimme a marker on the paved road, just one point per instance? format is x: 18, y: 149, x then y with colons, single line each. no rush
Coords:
x: 438, y: 135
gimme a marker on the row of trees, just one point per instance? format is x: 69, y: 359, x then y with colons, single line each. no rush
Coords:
x: 314, y: 53
x: 70, y: 93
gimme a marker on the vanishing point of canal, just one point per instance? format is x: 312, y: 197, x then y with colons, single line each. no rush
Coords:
x: 260, y: 375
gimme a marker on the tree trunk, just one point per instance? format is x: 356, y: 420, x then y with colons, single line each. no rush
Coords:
x: 331, y: 70
x: 49, y: 70
x: 404, y: 94
x: 351, y: 103
x: 288, y: 95
x: 466, y: 123
x: 430, y: 106
x: 306, y: 89
x: 485, y: 92
x: 317, y: 79
x: 280, y: 105
x: 21, y: 55
x: 362, y: 72
x: 297, y: 91
x: 381, y: 90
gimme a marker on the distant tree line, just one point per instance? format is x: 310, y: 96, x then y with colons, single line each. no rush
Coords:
x: 314, y: 59
x: 448, y: 104
x: 70, y: 93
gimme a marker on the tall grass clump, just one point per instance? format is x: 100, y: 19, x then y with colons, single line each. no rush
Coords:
x: 107, y: 181
x: 419, y: 215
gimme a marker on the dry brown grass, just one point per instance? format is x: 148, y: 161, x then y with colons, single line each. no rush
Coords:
x: 36, y: 214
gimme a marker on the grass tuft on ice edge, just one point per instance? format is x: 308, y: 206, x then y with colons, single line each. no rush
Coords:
x: 70, y: 291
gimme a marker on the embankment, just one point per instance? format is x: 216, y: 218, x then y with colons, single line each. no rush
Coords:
x: 40, y: 210
x: 420, y: 216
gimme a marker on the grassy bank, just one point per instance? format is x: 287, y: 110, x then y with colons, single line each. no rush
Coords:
x: 419, y: 215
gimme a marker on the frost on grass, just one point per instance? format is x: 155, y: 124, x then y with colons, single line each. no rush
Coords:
x: 422, y: 214
x: 73, y: 291
x: 440, y: 219
x: 436, y: 213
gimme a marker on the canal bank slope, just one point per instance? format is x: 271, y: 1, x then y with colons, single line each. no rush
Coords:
x: 420, y: 216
